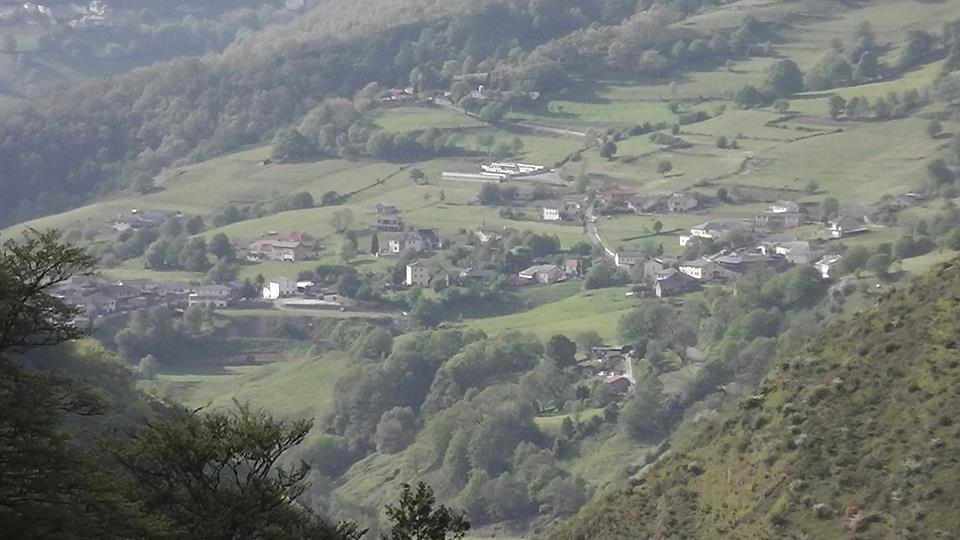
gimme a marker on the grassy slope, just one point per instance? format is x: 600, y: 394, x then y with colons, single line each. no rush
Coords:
x: 591, y: 310
x: 298, y: 386
x: 301, y: 386
x: 862, y: 421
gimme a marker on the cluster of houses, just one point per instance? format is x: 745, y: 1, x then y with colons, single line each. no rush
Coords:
x: 402, y: 236
x: 776, y: 251
x: 419, y: 274
x: 672, y: 276
x: 100, y: 297
x: 407, y: 94
x: 628, y: 200
x: 609, y: 363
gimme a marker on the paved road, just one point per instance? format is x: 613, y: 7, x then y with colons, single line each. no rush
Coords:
x: 594, y: 235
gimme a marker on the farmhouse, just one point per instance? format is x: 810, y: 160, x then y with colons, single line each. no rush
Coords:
x: 551, y: 213
x: 418, y: 240
x: 706, y: 270
x: 303, y: 238
x: 796, y: 252
x: 780, y: 220
x: 388, y: 218
x: 656, y: 267
x: 125, y: 224
x: 609, y: 352
x: 559, y: 211
x: 784, y: 207
x: 491, y: 234
x: 710, y: 230
x: 671, y: 282
x: 215, y: 295
x: 291, y: 247
x: 418, y: 275
x: 680, y: 203
x: 400, y: 242
x: 742, y: 263
x: 614, y: 197
x: 847, y: 226
x: 907, y: 200
x: 827, y: 266
x: 626, y: 259
x: 542, y: 273
x: 287, y: 251
x: 618, y: 383
x: 279, y: 288
x: 647, y: 204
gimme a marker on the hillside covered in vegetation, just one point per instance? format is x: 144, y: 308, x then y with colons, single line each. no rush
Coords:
x: 854, y: 435
x: 520, y: 250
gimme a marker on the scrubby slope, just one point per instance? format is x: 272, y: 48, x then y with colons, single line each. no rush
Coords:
x: 854, y: 437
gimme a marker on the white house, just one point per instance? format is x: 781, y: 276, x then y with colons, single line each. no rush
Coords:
x: 798, y: 252
x: 401, y: 242
x: 827, y: 266
x: 706, y: 270
x: 279, y: 288
x: 784, y: 207
x: 710, y: 230
x: 215, y: 295
x: 417, y: 275
x: 551, y: 213
x: 846, y: 226
x: 559, y: 210
x: 490, y: 234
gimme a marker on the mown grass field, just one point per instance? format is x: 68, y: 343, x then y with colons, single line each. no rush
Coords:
x: 412, y: 117
x: 597, y: 310
x: 298, y: 387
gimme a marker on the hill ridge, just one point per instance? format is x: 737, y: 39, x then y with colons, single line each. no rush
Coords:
x: 855, y: 434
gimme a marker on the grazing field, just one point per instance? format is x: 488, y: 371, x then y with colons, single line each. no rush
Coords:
x: 858, y: 165
x: 299, y: 386
x: 409, y: 118
x: 590, y: 310
x: 919, y: 265
x: 598, y: 108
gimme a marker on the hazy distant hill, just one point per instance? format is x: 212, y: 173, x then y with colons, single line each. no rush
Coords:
x: 854, y: 437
